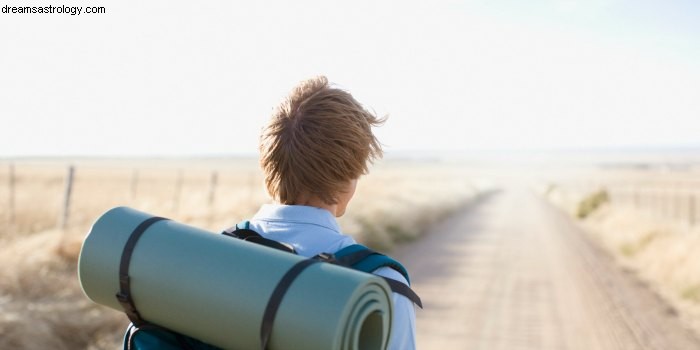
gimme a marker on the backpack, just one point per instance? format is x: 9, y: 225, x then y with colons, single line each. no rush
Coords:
x: 356, y: 256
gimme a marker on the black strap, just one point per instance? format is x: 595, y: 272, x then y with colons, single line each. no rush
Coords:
x: 252, y: 236
x: 353, y: 258
x: 242, y: 233
x: 276, y: 298
x: 124, y: 295
x: 398, y: 287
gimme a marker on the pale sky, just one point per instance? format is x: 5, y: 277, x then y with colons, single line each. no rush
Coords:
x: 200, y: 78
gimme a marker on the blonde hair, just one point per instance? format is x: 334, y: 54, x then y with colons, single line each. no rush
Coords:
x: 317, y: 140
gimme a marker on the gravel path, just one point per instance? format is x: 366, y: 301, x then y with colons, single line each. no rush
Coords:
x: 511, y: 272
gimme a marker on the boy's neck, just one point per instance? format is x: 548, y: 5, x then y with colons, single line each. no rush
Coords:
x: 313, y: 201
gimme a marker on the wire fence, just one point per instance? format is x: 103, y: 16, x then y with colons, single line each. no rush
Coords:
x: 61, y: 196
x: 667, y: 196
x: 212, y: 195
x: 398, y: 202
x: 669, y: 203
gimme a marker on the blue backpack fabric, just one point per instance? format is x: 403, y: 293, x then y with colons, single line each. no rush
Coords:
x: 370, y: 262
x: 154, y: 337
x: 356, y: 256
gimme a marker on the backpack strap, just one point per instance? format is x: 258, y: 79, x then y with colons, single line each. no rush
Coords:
x: 124, y: 295
x: 356, y: 257
x: 242, y: 231
x: 364, y: 259
x: 361, y: 258
x: 276, y: 298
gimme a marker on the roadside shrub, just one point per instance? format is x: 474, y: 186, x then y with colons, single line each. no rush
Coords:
x: 592, y: 202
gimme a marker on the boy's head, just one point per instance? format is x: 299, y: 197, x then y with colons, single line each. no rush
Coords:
x: 318, y: 140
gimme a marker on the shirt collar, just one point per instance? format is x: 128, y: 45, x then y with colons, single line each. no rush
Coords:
x: 297, y: 214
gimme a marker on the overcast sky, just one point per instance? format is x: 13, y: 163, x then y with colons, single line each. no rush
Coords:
x: 200, y: 78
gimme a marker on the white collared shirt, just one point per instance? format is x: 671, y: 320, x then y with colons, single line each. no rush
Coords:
x: 312, y: 231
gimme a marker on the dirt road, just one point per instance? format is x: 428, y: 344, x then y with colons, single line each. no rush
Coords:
x: 511, y: 272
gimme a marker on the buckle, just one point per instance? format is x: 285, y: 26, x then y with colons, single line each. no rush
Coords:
x: 129, y: 308
x: 326, y: 257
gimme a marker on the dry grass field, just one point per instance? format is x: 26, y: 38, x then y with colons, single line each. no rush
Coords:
x: 649, y: 221
x: 647, y: 217
x: 41, y: 304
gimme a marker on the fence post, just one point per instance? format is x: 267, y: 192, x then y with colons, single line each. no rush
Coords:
x: 63, y: 221
x: 134, y: 184
x: 691, y: 209
x: 677, y: 204
x: 656, y: 203
x: 11, y: 194
x: 673, y: 201
x: 212, y: 187
x: 665, y: 207
x: 646, y: 200
x: 178, y: 190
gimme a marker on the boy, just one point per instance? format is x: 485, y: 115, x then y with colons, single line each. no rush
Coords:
x: 312, y: 152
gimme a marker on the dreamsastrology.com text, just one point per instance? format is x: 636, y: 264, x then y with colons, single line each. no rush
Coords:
x: 50, y: 9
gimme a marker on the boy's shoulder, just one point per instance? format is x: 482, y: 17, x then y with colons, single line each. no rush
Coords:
x: 307, y: 239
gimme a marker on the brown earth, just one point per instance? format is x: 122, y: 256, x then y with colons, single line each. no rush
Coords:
x: 513, y: 272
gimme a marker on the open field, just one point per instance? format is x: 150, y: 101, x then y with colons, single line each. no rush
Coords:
x: 41, y: 304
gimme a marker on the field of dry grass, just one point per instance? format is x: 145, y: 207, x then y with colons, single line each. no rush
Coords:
x: 41, y: 304
x: 649, y: 223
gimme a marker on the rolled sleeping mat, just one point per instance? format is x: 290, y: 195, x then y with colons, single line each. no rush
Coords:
x: 216, y: 288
